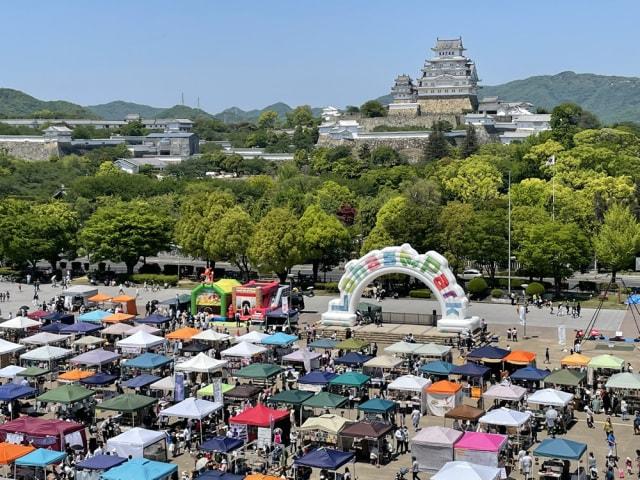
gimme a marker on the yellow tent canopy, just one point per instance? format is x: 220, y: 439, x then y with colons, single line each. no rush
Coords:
x: 575, y: 360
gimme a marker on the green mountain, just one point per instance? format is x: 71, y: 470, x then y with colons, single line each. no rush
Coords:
x: 612, y: 99
x: 118, y: 110
x: 237, y: 115
x: 14, y: 103
x: 182, y: 111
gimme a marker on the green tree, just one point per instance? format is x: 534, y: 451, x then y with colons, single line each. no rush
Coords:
x: 470, y: 144
x: 618, y: 240
x: 567, y: 119
x: 275, y: 243
x: 385, y: 156
x: 437, y: 146
x: 486, y: 238
x: 372, y: 109
x: 133, y: 129
x: 125, y: 231
x: 325, y: 240
x: 268, y: 119
x: 230, y: 238
x: 300, y: 116
x: 475, y: 181
x: 331, y: 196
x: 453, y: 221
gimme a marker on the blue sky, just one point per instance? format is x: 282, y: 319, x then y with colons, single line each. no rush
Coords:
x: 253, y: 53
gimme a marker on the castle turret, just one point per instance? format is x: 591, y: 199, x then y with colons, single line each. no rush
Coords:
x: 403, y: 90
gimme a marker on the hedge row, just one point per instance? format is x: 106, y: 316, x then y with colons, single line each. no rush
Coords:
x: 156, y: 278
x: 420, y: 293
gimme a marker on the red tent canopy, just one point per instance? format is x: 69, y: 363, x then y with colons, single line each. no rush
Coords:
x: 36, y: 430
x: 260, y: 416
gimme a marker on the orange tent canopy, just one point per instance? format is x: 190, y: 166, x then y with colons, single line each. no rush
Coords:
x: 74, y: 375
x: 260, y: 476
x: 123, y: 298
x: 9, y: 452
x: 118, y: 317
x: 520, y: 357
x: 100, y: 297
x: 575, y: 360
x: 444, y: 386
x: 184, y: 333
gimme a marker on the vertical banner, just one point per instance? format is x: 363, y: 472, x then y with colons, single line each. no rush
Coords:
x: 522, y: 311
x: 217, y: 391
x: 178, y: 392
x: 285, y: 304
x: 562, y: 335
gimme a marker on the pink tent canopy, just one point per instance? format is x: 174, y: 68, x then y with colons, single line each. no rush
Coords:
x: 484, y: 442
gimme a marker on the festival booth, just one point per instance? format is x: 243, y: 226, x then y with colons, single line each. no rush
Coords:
x: 442, y: 396
x: 566, y: 378
x: 366, y: 440
x: 11, y: 371
x: 352, y: 345
x: 326, y: 459
x: 97, y: 357
x: 243, y: 354
x: 202, y: 364
x: 78, y: 295
x: 487, y: 354
x: 140, y: 381
x: 142, y: 468
x: 627, y: 386
x: 254, y: 336
x: 315, y: 381
x: 99, y: 379
x: 411, y: 390
x: 28, y: 465
x: 100, y: 298
x: 240, y: 394
x: 575, y: 360
x: 282, y: 318
x: 131, y: 403
x: 118, y: 317
x: 94, y: 316
x: 474, y: 373
x: 222, y: 446
x: 139, y: 443
x: 166, y: 386
x: 561, y: 451
x: 529, y: 376
x: 145, y: 327
x: 46, y: 354
x: 509, y: 422
x: 433, y: 351
x: 87, y: 341
x: 116, y: 330
x: 381, y: 368
x: 466, y: 414
x: 437, y: 368
x: 214, y: 298
x: 378, y: 409
x: 356, y: 382
x: 325, y: 400
x: 323, y: 344
x: 467, y: 471
x: 303, y: 359
x: 209, y: 391
x: 432, y: 447
x: 147, y: 361
x: 153, y: 319
x: 92, y: 467
x: 280, y: 344
x: 352, y: 359
x: 61, y: 318
x: 44, y: 338
x: 75, y: 375
x: 184, y: 334
x: 140, y: 342
x: 125, y: 304
x: 602, y: 367
x: 552, y: 398
x: 520, y: 358
x: 402, y: 348
x: 323, y: 430
x: 211, y: 336
x: 80, y: 328
x: 291, y: 399
x: 39, y: 432
x: 255, y: 299
x: 19, y: 327
x: 10, y: 452
x: 504, y: 393
x: 258, y: 423
x: 263, y: 373
x: 192, y: 409
x: 480, y: 448
x: 7, y: 349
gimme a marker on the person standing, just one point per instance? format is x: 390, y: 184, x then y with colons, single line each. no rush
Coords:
x: 611, y: 444
x: 527, y: 465
x: 415, y: 417
x: 624, y: 410
x: 415, y: 468
x: 546, y: 356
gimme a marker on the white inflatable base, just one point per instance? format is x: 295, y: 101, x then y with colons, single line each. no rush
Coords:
x: 454, y: 325
x: 338, y: 319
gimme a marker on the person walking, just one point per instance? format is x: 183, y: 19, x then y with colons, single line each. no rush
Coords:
x: 624, y: 410
x: 611, y: 445
x: 415, y: 468
x: 527, y: 465
x: 415, y: 417
x: 546, y: 356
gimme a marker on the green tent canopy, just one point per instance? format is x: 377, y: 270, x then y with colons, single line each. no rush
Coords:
x: 325, y: 343
x: 569, y: 377
x: 207, y: 391
x: 260, y: 371
x: 34, y: 372
x: 606, y: 361
x: 350, y: 379
x: 624, y: 381
x: 127, y: 402
x: 352, y: 344
x: 325, y: 400
x: 560, y: 448
x: 66, y: 394
x: 291, y: 397
x: 377, y: 405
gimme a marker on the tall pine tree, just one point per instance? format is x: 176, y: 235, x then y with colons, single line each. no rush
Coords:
x: 437, y: 145
x: 470, y: 144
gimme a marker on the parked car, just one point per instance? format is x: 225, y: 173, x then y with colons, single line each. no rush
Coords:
x: 470, y: 273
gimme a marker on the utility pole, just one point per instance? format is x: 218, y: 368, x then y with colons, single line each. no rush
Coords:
x: 182, y: 98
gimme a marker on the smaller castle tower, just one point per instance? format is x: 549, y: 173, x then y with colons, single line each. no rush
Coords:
x: 403, y: 90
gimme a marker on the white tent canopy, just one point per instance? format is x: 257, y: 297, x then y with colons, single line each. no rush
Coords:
x: 510, y: 393
x: 116, y: 329
x: 301, y: 355
x: 140, y: 340
x: 549, y: 396
x: 19, y: 323
x: 133, y: 442
x: 44, y: 338
x: 433, y: 447
x: 201, y: 363
x: 466, y: 471
x: 505, y: 417
x: 383, y: 361
x: 142, y: 328
x: 192, y: 408
x: 252, y: 337
x: 46, y: 353
x: 165, y: 384
x: 432, y: 350
x: 211, y: 336
x: 9, y: 347
x: 402, y: 347
x: 89, y: 340
x: 243, y: 349
x: 99, y: 356
x: 624, y: 381
x: 11, y: 371
x: 410, y: 383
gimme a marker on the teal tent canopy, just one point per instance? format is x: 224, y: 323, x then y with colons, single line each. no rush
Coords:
x: 377, y: 405
x: 560, y: 448
x: 40, y: 458
x: 148, y: 361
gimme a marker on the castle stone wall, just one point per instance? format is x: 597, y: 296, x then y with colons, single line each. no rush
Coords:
x: 453, y: 105
x: 422, y: 121
x: 34, y: 151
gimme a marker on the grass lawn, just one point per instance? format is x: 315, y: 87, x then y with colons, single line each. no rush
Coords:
x: 611, y: 302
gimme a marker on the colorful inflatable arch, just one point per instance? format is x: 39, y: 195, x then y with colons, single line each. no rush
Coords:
x: 430, y: 268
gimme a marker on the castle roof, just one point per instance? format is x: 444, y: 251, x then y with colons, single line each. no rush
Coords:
x: 446, y: 44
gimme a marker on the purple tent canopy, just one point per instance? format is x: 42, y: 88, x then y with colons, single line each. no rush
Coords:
x: 54, y: 327
x: 101, y: 462
x: 11, y: 391
x: 325, y: 458
x: 59, y: 317
x: 317, y: 377
x: 154, y: 319
x: 352, y: 358
x: 99, y: 356
x: 218, y: 475
x: 141, y: 381
x: 99, y: 378
x: 80, y: 327
x: 222, y: 444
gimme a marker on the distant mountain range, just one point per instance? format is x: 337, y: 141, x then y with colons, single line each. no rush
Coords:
x: 611, y: 98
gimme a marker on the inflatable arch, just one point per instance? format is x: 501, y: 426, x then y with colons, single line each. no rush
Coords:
x: 430, y: 268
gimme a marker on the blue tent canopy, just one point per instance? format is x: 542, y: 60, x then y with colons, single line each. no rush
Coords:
x: 279, y: 339
x: 11, y: 391
x: 40, y: 458
x: 317, y: 377
x: 59, y: 317
x: 325, y: 458
x: 326, y: 343
x: 80, y: 327
x: 101, y: 462
x: 352, y: 358
x: 185, y: 298
x: 155, y: 319
x: 148, y: 361
x: 218, y: 475
x: 221, y: 444
x: 377, y: 405
x: 489, y: 352
x: 54, y: 327
x: 94, y: 316
x: 140, y: 468
x: 437, y: 367
x: 633, y: 299
x: 529, y: 373
x: 470, y: 369
x: 99, y: 378
x: 560, y: 448
x: 141, y: 381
